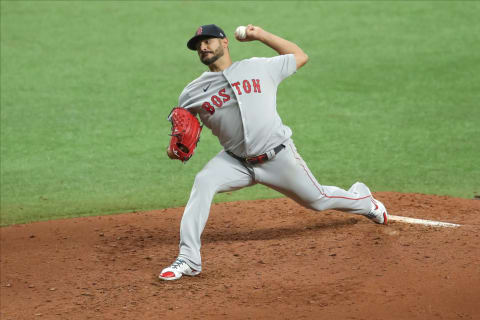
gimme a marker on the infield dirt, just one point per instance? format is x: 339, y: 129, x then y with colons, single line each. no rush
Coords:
x: 269, y: 259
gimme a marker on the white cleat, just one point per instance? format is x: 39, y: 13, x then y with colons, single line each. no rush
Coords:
x: 378, y: 213
x: 177, y: 270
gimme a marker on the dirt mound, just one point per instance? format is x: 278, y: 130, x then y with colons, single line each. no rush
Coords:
x: 269, y: 259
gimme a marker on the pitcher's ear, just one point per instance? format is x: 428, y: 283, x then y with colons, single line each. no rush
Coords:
x: 224, y: 42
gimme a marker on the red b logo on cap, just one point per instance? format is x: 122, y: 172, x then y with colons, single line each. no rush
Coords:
x: 199, y: 31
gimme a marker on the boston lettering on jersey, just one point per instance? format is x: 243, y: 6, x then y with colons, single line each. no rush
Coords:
x: 221, y: 97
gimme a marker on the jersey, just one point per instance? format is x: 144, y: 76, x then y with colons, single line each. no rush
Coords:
x: 239, y: 104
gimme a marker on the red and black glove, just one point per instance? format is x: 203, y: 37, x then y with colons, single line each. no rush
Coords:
x: 186, y: 131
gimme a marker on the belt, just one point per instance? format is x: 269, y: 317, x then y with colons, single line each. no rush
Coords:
x: 258, y: 159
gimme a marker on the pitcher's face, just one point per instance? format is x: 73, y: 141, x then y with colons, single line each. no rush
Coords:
x: 210, y: 50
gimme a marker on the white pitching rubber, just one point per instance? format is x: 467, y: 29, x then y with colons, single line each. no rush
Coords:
x: 422, y: 221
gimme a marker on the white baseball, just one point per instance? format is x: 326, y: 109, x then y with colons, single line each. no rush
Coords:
x: 241, y: 32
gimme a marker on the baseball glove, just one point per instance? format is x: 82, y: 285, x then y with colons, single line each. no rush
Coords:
x: 185, y: 135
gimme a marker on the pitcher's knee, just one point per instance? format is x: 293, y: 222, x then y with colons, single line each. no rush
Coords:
x: 204, y: 183
x: 319, y: 205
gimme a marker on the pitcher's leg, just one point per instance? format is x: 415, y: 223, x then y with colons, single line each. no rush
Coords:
x: 221, y: 174
x: 340, y: 199
x: 289, y: 174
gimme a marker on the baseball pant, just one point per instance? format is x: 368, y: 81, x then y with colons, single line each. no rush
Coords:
x: 286, y: 173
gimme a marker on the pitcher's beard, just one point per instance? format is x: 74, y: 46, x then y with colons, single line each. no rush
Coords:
x: 217, y: 54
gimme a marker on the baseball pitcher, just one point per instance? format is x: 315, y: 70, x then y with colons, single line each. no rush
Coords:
x: 237, y: 102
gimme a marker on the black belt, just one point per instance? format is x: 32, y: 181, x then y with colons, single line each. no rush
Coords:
x: 258, y: 159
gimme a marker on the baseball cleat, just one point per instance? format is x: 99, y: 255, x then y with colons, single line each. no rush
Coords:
x: 378, y: 213
x: 177, y: 270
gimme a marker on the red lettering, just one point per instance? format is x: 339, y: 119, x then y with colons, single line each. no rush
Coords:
x: 237, y: 86
x: 246, y: 86
x: 208, y: 107
x: 222, y: 94
x: 256, y: 85
x: 217, y: 101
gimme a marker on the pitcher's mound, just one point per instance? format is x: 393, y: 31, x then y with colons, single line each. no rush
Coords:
x: 269, y: 259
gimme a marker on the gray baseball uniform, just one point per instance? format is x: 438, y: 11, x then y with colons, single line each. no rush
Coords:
x: 239, y: 106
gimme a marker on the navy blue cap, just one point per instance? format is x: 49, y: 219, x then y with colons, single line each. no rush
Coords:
x: 206, y: 31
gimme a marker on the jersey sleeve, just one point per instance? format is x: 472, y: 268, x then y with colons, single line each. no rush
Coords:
x: 183, y: 98
x: 281, y: 67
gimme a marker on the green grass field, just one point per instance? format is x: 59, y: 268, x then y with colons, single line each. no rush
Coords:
x: 390, y: 96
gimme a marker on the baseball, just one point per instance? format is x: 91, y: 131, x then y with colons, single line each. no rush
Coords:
x: 241, y: 32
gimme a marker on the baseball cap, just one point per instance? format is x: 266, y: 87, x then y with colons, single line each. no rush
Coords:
x: 206, y: 31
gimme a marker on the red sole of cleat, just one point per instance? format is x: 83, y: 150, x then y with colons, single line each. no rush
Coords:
x: 167, y: 274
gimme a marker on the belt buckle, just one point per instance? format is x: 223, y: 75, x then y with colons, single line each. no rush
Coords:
x: 258, y: 159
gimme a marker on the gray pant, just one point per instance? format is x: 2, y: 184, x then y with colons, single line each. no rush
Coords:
x: 286, y: 173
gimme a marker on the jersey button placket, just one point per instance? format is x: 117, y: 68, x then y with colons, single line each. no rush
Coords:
x: 244, y: 126
x: 239, y: 102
